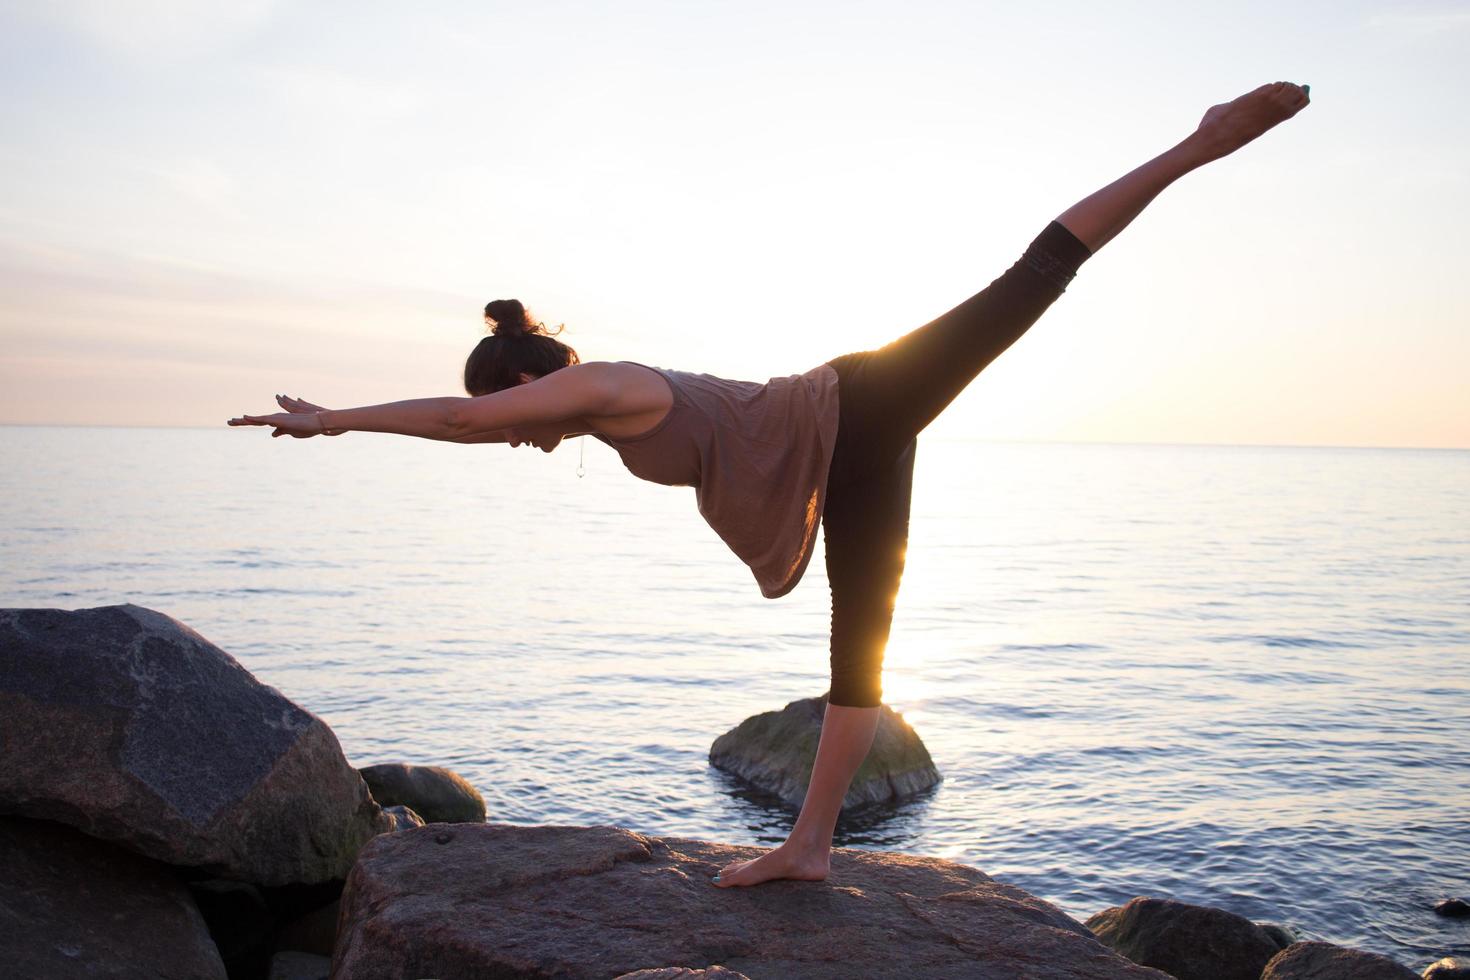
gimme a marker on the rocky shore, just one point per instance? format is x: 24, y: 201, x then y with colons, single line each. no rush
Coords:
x: 163, y: 814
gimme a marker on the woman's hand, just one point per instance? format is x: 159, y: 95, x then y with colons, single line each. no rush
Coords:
x: 301, y: 405
x: 299, y: 420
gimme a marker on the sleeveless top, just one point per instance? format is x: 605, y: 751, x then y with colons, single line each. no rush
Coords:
x: 757, y: 457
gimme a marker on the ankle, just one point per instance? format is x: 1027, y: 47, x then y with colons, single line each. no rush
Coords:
x: 814, y: 845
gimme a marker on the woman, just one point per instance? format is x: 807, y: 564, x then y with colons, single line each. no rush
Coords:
x: 770, y: 461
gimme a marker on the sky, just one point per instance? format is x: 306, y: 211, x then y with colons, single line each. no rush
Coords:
x: 202, y: 205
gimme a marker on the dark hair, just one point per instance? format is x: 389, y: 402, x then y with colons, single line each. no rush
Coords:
x: 516, y: 344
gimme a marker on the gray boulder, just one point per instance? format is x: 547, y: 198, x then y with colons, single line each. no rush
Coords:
x: 480, y: 900
x: 72, y: 906
x: 437, y: 794
x: 1324, y: 961
x: 133, y: 728
x: 774, y: 751
x: 402, y: 818
x: 1189, y: 942
x: 1282, y: 935
x: 1449, y: 968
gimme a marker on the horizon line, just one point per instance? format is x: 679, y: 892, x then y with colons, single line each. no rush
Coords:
x: 1001, y: 441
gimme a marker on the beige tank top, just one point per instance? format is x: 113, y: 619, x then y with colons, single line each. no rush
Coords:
x: 757, y: 457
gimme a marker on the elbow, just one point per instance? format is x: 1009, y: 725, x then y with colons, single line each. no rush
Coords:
x: 456, y: 424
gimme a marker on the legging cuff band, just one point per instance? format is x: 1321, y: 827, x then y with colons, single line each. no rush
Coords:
x: 1056, y: 254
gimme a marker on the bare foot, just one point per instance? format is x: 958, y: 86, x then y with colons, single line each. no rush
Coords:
x: 1229, y: 126
x: 786, y: 861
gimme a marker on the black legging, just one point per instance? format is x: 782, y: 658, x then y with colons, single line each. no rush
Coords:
x: 885, y: 398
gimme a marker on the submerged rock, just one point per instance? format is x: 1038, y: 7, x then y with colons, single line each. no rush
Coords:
x: 73, y: 906
x: 1449, y: 968
x: 1454, y: 908
x: 437, y: 794
x: 1189, y: 942
x: 1324, y: 961
x: 774, y: 751
x: 598, y: 902
x: 133, y: 728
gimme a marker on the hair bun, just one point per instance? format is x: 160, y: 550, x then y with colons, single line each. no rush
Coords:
x: 510, y: 318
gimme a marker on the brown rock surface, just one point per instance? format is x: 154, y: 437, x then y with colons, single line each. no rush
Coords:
x: 774, y: 751
x: 1324, y: 961
x: 1190, y: 942
x: 73, y: 906
x: 483, y: 900
x: 133, y: 728
x: 683, y: 973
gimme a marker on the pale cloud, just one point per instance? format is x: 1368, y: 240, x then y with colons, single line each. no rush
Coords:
x: 338, y: 94
x: 1423, y: 22
x: 166, y: 30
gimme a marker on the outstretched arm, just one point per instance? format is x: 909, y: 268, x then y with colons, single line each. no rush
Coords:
x: 573, y: 392
x: 302, y: 406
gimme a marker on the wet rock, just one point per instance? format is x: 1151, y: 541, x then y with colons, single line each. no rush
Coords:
x: 683, y: 973
x: 437, y: 794
x: 1324, y: 961
x: 1189, y: 942
x: 291, y: 965
x: 73, y: 906
x: 402, y: 818
x: 774, y: 751
x: 133, y: 728
x: 1449, y: 968
x: 598, y: 902
x: 1455, y: 908
x: 1282, y: 935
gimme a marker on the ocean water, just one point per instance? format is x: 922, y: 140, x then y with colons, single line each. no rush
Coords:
x: 1229, y: 675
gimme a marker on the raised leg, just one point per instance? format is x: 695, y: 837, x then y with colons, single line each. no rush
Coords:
x: 888, y: 395
x: 1096, y: 219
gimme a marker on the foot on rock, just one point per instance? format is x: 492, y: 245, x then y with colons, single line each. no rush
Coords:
x: 1229, y: 126
x: 779, y: 862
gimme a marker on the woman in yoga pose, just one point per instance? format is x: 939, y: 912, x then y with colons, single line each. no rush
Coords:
x: 770, y: 461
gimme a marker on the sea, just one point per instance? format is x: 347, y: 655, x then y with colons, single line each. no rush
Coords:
x: 1229, y: 675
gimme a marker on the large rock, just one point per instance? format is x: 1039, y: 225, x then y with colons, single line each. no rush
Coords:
x: 133, y: 728
x: 774, y: 750
x: 1324, y: 961
x: 437, y: 794
x: 1190, y: 942
x: 598, y: 902
x: 73, y: 906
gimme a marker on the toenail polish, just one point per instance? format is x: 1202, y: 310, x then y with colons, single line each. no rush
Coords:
x: 716, y: 879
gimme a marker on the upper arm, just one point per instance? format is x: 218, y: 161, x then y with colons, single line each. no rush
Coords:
x: 572, y: 392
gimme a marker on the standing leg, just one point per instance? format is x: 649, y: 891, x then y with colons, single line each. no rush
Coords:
x: 866, y: 524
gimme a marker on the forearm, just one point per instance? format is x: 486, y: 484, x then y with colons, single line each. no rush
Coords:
x: 428, y: 418
x: 847, y: 735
